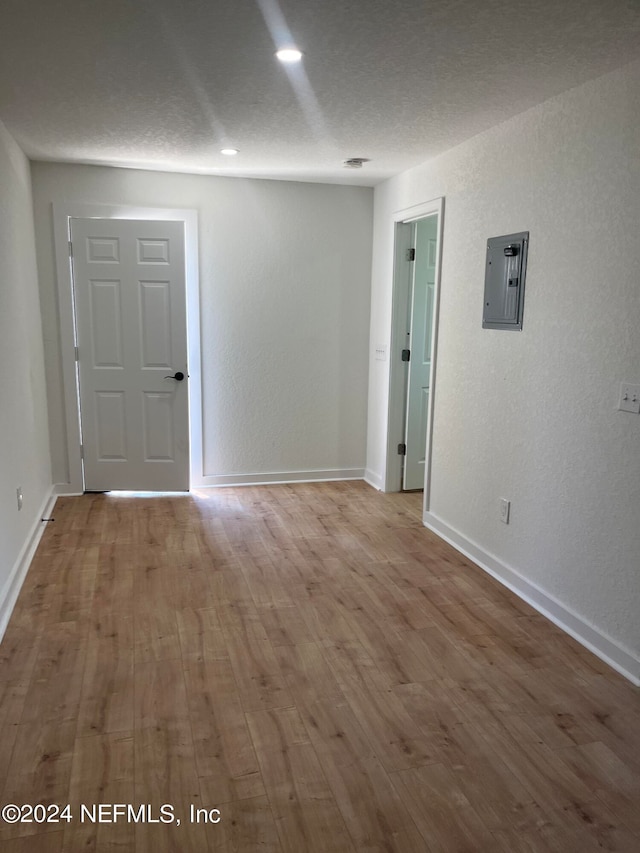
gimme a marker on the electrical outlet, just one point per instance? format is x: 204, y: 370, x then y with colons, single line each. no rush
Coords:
x: 505, y: 510
x: 629, y: 398
x: 19, y: 497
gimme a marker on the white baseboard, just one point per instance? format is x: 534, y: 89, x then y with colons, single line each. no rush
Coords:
x: 607, y: 649
x: 273, y: 478
x: 67, y: 490
x: 18, y: 573
x: 373, y: 479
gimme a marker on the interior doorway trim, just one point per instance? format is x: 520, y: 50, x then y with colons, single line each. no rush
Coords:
x: 62, y: 213
x: 397, y: 368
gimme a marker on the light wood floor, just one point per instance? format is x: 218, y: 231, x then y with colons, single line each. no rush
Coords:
x: 316, y: 665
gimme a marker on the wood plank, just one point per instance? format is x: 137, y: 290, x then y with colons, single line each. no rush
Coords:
x: 108, y: 687
x: 441, y: 811
x: 113, y: 592
x: 56, y: 679
x: 397, y: 740
x: 614, y: 782
x: 352, y: 666
x: 39, y: 770
x: 160, y: 696
x: 246, y: 826
x: 12, y: 699
x: 102, y: 772
x: 596, y: 826
x: 286, y: 626
x: 50, y: 842
x: 19, y: 650
x: 497, y: 796
x: 165, y: 760
x: 307, y: 674
x: 156, y: 634
x: 201, y: 635
x: 165, y: 774
x: 431, y: 705
x: 538, y: 768
x: 223, y: 747
x: 302, y: 803
x: 374, y: 813
x: 260, y: 682
x: 266, y: 582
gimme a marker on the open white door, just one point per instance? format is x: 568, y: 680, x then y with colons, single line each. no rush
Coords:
x: 409, y: 408
x: 420, y: 344
x: 130, y: 303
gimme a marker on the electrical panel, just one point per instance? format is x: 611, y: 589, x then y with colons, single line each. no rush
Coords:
x: 504, y: 281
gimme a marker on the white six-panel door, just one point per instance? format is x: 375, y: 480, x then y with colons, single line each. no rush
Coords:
x: 129, y: 289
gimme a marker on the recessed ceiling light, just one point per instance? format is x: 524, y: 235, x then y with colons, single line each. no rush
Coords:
x: 229, y: 152
x: 289, y: 54
x: 355, y: 162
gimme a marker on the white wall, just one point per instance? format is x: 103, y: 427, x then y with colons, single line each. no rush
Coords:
x: 285, y: 299
x: 531, y: 416
x: 24, y: 444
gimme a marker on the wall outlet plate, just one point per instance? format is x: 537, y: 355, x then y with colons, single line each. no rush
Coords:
x: 505, y: 510
x: 629, y: 398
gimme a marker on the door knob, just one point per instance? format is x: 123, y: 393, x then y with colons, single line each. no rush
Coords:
x: 179, y: 376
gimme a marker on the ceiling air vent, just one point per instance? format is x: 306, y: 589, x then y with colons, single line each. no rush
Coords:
x: 355, y: 162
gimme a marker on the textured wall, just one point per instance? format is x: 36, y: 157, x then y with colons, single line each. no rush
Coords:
x: 24, y: 444
x: 285, y: 295
x: 531, y: 416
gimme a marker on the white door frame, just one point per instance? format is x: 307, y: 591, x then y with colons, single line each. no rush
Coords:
x: 62, y: 213
x: 397, y: 368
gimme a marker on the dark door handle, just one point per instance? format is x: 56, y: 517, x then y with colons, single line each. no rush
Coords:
x: 179, y: 376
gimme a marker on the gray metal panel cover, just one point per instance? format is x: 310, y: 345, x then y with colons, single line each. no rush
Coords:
x: 504, y: 281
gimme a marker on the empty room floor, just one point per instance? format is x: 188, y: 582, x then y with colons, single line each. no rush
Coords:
x: 298, y: 668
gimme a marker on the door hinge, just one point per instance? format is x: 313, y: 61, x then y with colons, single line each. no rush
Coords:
x: 70, y: 249
x: 76, y: 354
x: 82, y: 452
x: 406, y: 355
x: 411, y: 254
x: 402, y: 450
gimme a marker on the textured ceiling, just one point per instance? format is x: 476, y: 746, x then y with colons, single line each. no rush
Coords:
x: 164, y: 84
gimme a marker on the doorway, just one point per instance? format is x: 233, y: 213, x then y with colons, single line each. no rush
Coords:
x: 131, y: 353
x: 417, y: 252
x: 417, y: 353
x: 191, y: 388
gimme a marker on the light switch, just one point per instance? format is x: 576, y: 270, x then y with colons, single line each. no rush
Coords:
x: 629, y: 398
